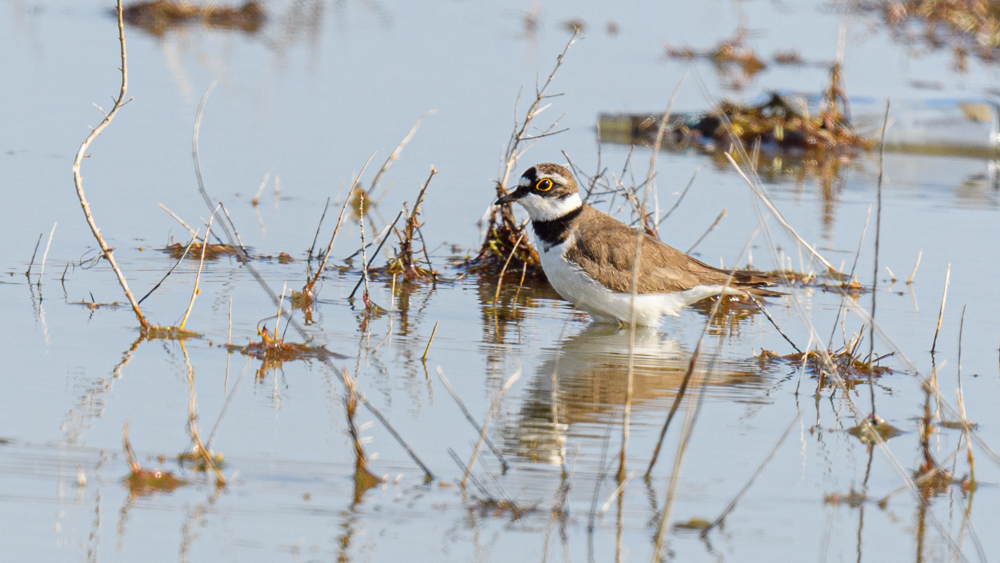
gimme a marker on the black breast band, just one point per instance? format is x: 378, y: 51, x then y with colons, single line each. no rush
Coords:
x: 555, y: 231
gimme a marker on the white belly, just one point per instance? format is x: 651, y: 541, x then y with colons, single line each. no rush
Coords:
x: 607, y: 306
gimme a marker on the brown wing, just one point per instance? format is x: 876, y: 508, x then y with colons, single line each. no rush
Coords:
x: 607, y: 252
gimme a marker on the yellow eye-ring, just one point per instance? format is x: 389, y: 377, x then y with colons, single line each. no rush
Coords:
x: 544, y: 185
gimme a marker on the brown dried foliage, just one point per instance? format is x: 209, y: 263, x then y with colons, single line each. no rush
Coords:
x: 273, y: 351
x: 964, y: 26
x: 159, y: 16
x: 212, y: 251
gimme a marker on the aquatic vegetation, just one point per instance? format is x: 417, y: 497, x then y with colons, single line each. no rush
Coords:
x: 211, y: 251
x: 159, y: 16
x: 273, y: 351
x: 141, y: 482
x: 964, y: 26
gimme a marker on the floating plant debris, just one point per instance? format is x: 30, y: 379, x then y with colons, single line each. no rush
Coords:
x: 160, y: 16
x: 876, y: 425
x: 776, y: 123
x: 274, y: 351
x: 965, y: 26
x: 853, y: 498
x: 212, y: 251
x: 843, y: 362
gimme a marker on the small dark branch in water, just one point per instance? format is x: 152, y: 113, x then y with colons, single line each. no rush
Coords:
x: 312, y: 247
x: 774, y: 324
x: 187, y: 249
x: 27, y: 273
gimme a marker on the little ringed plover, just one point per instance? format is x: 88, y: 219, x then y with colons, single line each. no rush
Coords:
x: 588, y: 256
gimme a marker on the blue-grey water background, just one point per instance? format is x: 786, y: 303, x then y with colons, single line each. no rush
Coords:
x: 304, y: 102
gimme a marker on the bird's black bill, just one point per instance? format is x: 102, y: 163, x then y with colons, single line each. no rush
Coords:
x: 511, y: 197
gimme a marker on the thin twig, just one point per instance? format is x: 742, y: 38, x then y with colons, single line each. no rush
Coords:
x: 322, y: 216
x: 429, y: 340
x: 340, y: 220
x: 909, y: 280
x: 878, y: 234
x: 680, y: 197
x: 395, y: 154
x: 45, y: 255
x: 651, y: 173
x: 773, y: 323
x: 368, y: 262
x: 630, y: 380
x: 777, y: 214
x: 197, y: 279
x: 194, y: 239
x: 27, y: 273
x: 107, y: 252
x: 944, y: 297
x: 179, y: 220
x: 709, y: 230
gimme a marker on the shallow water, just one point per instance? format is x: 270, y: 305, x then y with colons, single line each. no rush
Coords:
x: 305, y: 102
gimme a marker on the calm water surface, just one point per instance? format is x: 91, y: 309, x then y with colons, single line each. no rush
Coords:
x: 303, y: 103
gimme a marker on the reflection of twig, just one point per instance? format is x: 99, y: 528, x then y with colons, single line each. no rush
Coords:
x: 468, y: 416
x: 496, y: 298
x: 774, y: 450
x: 108, y: 253
x: 225, y: 406
x: 199, y: 447
x: 489, y: 414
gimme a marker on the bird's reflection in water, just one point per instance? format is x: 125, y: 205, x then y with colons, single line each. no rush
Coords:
x: 585, y: 379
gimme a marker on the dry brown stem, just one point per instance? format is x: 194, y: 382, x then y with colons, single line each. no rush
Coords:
x: 107, y: 252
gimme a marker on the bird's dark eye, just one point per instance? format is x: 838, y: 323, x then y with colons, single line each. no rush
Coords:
x: 543, y: 185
